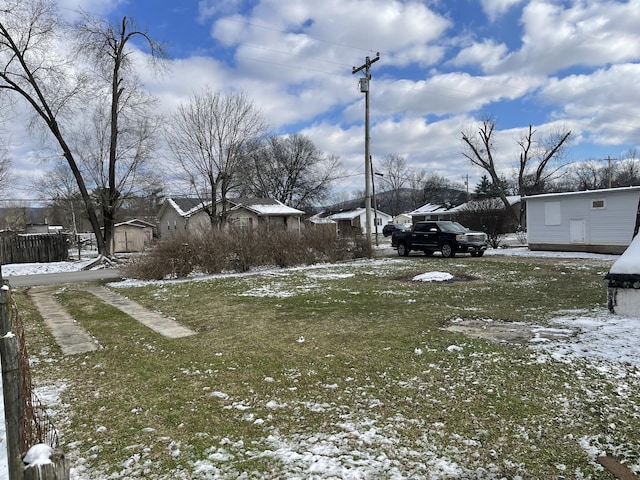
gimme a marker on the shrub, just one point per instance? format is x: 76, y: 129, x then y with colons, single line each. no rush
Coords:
x: 172, y: 258
x: 239, y: 250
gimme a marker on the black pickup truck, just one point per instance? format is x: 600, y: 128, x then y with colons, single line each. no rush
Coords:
x: 446, y: 237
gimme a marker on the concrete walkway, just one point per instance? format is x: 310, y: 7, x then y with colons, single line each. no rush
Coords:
x: 73, y: 339
x: 162, y: 325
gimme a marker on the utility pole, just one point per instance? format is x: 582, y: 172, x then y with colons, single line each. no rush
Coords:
x: 364, y: 88
x: 375, y: 204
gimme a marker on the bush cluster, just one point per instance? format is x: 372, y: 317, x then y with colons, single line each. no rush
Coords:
x: 238, y: 250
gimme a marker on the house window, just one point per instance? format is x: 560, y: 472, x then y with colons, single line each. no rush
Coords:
x: 552, y: 213
x: 244, y: 222
x: 598, y: 204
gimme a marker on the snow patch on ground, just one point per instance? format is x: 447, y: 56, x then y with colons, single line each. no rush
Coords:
x: 594, y: 335
x: 433, y: 277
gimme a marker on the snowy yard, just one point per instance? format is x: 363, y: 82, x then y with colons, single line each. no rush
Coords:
x: 329, y: 400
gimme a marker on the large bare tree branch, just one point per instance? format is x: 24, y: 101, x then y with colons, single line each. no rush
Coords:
x: 479, y: 151
x: 130, y: 135
x: 30, y: 69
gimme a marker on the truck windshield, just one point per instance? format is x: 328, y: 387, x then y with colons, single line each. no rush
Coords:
x: 452, y: 227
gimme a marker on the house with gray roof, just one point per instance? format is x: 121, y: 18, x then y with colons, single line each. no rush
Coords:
x: 182, y: 215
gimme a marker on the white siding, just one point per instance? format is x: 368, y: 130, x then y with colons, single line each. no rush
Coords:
x: 608, y: 221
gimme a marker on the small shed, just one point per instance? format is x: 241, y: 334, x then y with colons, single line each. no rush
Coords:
x: 321, y: 223
x: 597, y: 221
x: 132, y: 236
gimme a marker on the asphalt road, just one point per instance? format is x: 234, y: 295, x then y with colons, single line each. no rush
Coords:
x: 16, y: 281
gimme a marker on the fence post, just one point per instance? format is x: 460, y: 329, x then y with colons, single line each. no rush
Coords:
x: 58, y: 469
x: 11, y: 385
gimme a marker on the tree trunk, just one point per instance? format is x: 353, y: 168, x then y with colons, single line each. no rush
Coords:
x: 86, y: 198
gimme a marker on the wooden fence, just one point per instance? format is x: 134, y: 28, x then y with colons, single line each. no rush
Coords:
x: 43, y: 248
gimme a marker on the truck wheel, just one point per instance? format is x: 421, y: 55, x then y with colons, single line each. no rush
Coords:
x: 447, y: 250
x: 403, y: 251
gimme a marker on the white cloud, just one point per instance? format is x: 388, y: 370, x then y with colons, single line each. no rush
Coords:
x: 486, y: 54
x: 600, y: 102
x: 451, y: 93
x: 585, y: 34
x: 293, y: 58
x: 496, y: 8
x: 210, y: 8
x: 338, y: 31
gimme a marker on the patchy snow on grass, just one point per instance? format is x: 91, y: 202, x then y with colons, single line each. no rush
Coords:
x: 597, y: 335
x: 360, y: 445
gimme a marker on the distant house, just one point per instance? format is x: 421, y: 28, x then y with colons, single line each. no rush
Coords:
x: 180, y: 215
x: 430, y: 211
x: 402, y: 218
x: 434, y: 212
x: 356, y: 221
x: 599, y: 221
x: 43, y: 228
x: 132, y: 236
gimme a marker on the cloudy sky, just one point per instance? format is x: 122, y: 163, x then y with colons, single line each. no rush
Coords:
x: 443, y: 66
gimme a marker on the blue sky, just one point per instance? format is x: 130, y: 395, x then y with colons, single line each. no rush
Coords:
x: 444, y: 66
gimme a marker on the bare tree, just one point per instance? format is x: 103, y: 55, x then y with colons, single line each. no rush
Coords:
x: 122, y: 139
x: 534, y: 158
x: 479, y: 148
x: 31, y: 35
x: 60, y: 187
x: 31, y: 69
x: 128, y: 173
x: 7, y: 176
x: 210, y: 136
x: 416, y: 179
x: 292, y: 170
x: 627, y: 170
x: 394, y: 169
x: 589, y: 175
x: 16, y: 216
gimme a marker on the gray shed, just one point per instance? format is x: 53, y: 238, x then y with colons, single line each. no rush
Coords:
x: 598, y: 221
